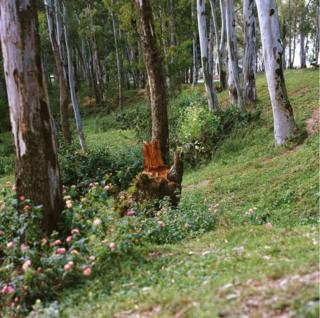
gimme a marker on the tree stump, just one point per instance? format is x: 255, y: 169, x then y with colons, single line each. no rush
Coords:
x: 157, y: 180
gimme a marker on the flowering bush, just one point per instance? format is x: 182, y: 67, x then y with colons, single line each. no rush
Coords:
x: 33, y: 265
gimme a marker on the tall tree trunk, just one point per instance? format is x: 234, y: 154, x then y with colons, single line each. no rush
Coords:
x: 222, y: 75
x: 37, y: 171
x: 119, y: 71
x: 63, y: 87
x: 249, y: 58
x: 222, y: 47
x: 284, y: 124
x: 317, y: 42
x: 156, y: 79
x: 290, y: 36
x: 208, y: 81
x: 74, y: 100
x: 95, y: 56
x: 195, y: 62
x: 294, y: 42
x: 302, y: 51
x: 235, y: 94
x: 210, y: 48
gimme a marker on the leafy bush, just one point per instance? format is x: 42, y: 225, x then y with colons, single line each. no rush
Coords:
x: 33, y: 265
x: 137, y: 118
x: 80, y: 169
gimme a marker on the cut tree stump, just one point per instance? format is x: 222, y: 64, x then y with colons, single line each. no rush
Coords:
x: 157, y: 180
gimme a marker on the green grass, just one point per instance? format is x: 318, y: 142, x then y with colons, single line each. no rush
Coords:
x: 219, y: 273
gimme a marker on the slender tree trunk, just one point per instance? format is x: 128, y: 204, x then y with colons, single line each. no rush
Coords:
x: 235, y: 94
x: 284, y: 124
x: 95, y: 56
x: 119, y: 70
x: 208, y: 81
x: 302, y: 51
x: 294, y: 42
x: 290, y: 36
x: 317, y: 42
x: 195, y: 62
x: 222, y: 47
x: 156, y: 79
x: 37, y: 171
x: 210, y: 48
x: 217, y: 41
x: 63, y: 87
x: 249, y: 58
x: 74, y: 100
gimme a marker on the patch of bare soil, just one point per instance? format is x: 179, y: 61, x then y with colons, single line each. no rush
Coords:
x: 199, y: 185
x: 313, y: 123
x: 289, y: 296
x: 138, y: 314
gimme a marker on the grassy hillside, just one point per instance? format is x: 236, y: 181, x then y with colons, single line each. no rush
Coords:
x: 261, y: 258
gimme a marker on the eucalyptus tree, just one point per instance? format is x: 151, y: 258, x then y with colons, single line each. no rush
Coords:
x: 37, y: 171
x: 250, y: 52
x: 284, y: 124
x: 156, y: 79
x: 203, y: 38
x: 54, y: 36
x: 74, y: 99
x: 222, y: 46
x: 235, y: 94
x: 218, y: 44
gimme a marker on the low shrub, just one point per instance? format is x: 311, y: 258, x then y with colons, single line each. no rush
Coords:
x: 33, y: 265
x: 80, y: 169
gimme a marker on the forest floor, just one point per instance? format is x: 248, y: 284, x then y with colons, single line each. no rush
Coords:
x: 238, y: 269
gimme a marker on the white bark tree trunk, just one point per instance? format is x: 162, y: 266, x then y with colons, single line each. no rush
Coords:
x: 119, y: 69
x: 222, y: 47
x: 235, y: 94
x: 195, y: 62
x: 284, y: 124
x: 302, y: 51
x: 202, y: 27
x: 249, y: 58
x: 74, y: 100
x: 37, y: 171
x: 221, y: 67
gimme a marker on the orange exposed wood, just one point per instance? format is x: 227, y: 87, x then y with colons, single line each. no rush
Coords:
x: 153, y: 162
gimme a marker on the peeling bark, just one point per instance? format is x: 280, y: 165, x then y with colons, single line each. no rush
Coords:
x: 63, y: 87
x: 156, y: 79
x: 208, y: 81
x: 249, y: 58
x: 284, y: 124
x: 37, y: 171
x: 222, y: 47
x: 235, y: 94
x: 74, y: 100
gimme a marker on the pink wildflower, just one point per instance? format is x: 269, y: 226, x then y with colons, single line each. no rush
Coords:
x: 8, y: 289
x: 55, y: 243
x: 130, y: 212
x: 75, y: 231
x: 10, y: 245
x: 22, y: 198
x: 26, y: 207
x: 69, y: 239
x: 68, y: 266
x: 26, y: 265
x: 69, y: 204
x: 87, y: 271
x: 60, y: 251
x: 112, y: 246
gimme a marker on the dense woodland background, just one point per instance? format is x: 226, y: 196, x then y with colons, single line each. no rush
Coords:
x: 216, y: 216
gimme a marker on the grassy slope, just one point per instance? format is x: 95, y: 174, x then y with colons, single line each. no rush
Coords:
x: 208, y: 276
